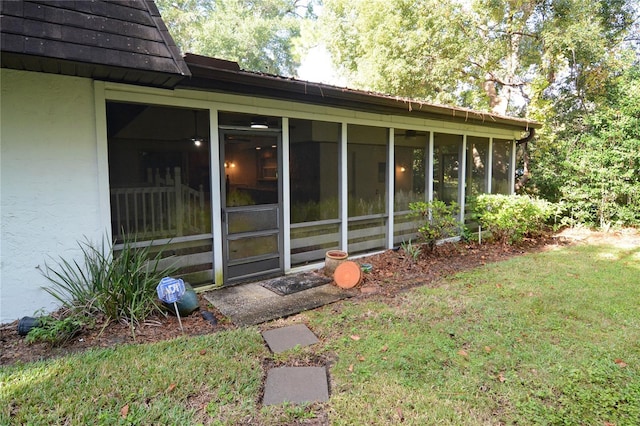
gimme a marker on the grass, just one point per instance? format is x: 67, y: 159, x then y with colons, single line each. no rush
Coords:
x: 548, y: 338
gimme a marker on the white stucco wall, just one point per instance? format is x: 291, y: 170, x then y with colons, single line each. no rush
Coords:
x: 49, y: 197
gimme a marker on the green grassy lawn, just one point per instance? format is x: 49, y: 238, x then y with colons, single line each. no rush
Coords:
x: 546, y: 338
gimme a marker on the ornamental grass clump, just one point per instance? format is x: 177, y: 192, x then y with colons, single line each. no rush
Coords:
x: 117, y: 284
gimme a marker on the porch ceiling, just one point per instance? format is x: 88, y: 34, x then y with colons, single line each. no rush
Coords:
x: 211, y: 74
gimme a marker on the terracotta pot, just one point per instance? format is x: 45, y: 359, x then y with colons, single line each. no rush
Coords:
x: 348, y: 275
x: 332, y: 259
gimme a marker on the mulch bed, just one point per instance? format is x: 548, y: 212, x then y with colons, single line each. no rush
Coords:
x: 392, y: 272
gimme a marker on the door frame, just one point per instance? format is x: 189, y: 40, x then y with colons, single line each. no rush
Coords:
x: 223, y: 131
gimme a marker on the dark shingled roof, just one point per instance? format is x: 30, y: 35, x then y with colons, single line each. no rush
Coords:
x: 116, y: 40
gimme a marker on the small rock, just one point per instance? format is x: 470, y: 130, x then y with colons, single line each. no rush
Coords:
x: 208, y: 316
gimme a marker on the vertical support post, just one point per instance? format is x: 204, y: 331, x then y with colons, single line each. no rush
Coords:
x: 429, y: 177
x: 391, y: 190
x: 489, y: 173
x: 512, y: 169
x: 286, y: 195
x: 105, y: 199
x: 462, y: 176
x: 216, y: 197
x: 343, y: 193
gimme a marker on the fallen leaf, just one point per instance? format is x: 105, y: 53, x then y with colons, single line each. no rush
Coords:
x: 384, y: 348
x: 609, y: 424
x: 530, y: 294
x: 203, y: 352
x: 355, y: 337
x: 171, y: 387
x: 498, y: 285
x: 620, y: 363
x: 487, y: 349
x: 350, y: 368
x: 463, y: 353
x: 501, y: 378
x: 360, y: 358
x: 124, y: 411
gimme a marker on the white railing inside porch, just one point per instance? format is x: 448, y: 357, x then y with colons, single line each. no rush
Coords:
x: 163, y: 207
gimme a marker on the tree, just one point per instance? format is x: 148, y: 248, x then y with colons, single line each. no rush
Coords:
x: 397, y: 46
x: 258, y: 34
x: 597, y: 174
x: 501, y: 55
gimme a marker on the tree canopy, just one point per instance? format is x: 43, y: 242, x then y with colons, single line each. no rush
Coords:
x: 486, y: 54
x: 258, y: 34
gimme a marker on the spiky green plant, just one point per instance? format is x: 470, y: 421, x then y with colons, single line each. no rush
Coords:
x: 411, y: 249
x: 120, y: 285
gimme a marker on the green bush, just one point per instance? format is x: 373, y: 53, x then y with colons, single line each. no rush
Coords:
x: 57, y: 331
x: 120, y: 286
x: 510, y: 218
x: 440, y: 221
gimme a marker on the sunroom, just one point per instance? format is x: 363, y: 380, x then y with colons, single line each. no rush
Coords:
x: 242, y: 176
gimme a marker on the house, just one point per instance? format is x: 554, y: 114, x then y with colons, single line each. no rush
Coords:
x: 108, y: 131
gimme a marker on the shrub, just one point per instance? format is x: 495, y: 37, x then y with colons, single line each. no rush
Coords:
x: 57, y: 331
x: 440, y: 221
x: 121, y: 286
x: 510, y: 218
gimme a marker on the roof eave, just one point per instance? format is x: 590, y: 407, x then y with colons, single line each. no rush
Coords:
x: 263, y: 85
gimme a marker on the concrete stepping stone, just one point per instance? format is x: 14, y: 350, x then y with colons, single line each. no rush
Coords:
x: 285, y: 338
x: 250, y: 304
x: 296, y: 385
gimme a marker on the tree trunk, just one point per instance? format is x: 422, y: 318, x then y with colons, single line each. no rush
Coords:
x: 526, y: 173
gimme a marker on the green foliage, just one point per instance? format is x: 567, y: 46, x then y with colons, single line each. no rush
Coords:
x: 490, y: 54
x: 259, y: 35
x: 591, y: 164
x: 600, y: 173
x: 57, y: 331
x: 510, y: 218
x: 439, y: 221
x: 411, y: 249
x: 119, y: 285
x: 380, y: 45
